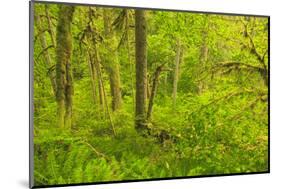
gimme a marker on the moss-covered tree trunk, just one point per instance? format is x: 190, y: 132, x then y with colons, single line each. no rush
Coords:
x: 141, y: 69
x: 111, y: 62
x: 131, y: 64
x: 63, y: 66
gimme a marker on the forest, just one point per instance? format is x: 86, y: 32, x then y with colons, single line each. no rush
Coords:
x: 126, y: 94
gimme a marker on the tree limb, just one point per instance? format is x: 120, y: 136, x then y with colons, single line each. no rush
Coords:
x: 240, y: 65
x: 43, y: 51
x: 253, y: 48
x: 225, y: 97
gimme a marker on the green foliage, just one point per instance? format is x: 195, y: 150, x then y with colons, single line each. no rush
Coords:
x: 219, y: 128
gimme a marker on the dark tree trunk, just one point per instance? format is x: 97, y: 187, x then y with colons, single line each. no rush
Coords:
x: 155, y: 81
x: 141, y: 70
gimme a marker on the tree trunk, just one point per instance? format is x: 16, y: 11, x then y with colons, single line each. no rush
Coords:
x: 93, y: 77
x: 176, y: 73
x: 45, y: 51
x: 99, y: 77
x: 132, y: 71
x: 94, y: 64
x: 156, y: 75
x: 111, y: 62
x: 148, y: 81
x: 63, y: 67
x: 50, y: 29
x: 141, y: 70
x: 68, y: 96
x: 102, y: 91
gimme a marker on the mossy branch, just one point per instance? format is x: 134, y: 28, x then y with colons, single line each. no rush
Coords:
x: 225, y: 97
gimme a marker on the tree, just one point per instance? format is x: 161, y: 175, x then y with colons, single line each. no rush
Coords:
x: 176, y: 73
x: 141, y: 70
x: 63, y: 67
x: 45, y: 52
x: 93, y: 77
x: 50, y: 28
x: 111, y: 62
x: 155, y: 81
x: 89, y: 38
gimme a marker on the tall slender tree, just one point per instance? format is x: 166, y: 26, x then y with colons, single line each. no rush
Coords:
x: 155, y: 81
x: 93, y: 77
x: 176, y: 73
x: 91, y: 34
x: 45, y: 51
x: 141, y: 69
x: 63, y: 67
x: 132, y: 71
x: 111, y: 62
x: 50, y: 27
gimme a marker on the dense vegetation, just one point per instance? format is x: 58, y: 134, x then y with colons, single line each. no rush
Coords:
x: 123, y: 94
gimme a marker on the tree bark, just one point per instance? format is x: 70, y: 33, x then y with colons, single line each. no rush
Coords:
x: 141, y: 70
x: 63, y: 67
x: 111, y: 62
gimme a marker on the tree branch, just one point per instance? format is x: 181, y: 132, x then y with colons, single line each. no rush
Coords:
x: 225, y: 97
x: 242, y: 65
x: 253, y: 48
x: 44, y: 50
